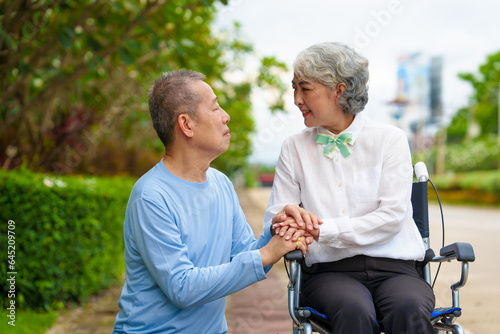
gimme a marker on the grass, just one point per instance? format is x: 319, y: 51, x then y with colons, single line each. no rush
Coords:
x: 27, y: 322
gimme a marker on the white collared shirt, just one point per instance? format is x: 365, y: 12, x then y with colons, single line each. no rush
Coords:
x: 363, y: 200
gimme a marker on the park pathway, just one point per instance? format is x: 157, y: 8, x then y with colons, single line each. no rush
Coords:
x: 261, y: 307
x: 95, y: 317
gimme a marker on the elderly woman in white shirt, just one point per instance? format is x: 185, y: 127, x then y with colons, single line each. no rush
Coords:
x: 345, y: 181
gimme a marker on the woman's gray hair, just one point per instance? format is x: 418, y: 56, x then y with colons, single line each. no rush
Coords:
x: 332, y: 63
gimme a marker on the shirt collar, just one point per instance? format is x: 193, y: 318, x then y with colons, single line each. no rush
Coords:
x: 354, y: 129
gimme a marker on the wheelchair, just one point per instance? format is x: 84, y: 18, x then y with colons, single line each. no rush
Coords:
x: 307, y: 320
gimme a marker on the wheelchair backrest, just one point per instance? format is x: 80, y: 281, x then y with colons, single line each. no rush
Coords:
x: 420, y: 205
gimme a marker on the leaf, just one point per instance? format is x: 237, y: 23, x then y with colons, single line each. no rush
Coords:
x: 25, y: 69
x: 180, y: 49
x: 70, y: 32
x: 155, y: 42
x: 132, y: 45
x: 93, y: 43
x: 6, y: 37
x: 125, y: 55
x: 91, y: 64
x: 99, y: 60
x: 63, y: 38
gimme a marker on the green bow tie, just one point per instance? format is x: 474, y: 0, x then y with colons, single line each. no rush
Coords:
x: 331, y: 142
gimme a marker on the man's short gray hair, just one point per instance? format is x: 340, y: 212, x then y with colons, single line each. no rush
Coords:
x: 171, y: 95
x: 332, y: 63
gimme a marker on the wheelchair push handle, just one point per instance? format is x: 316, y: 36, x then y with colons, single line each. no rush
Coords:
x: 295, y: 255
x: 421, y: 172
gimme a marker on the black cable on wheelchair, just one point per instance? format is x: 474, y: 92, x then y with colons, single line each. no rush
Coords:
x: 286, y: 268
x: 442, y: 228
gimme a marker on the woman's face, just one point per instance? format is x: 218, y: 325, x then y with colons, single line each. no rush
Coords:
x: 318, y: 104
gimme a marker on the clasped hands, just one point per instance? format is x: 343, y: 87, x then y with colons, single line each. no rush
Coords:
x: 297, y: 225
x: 294, y: 228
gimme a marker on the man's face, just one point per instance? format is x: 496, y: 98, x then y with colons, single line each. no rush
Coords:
x: 211, y: 132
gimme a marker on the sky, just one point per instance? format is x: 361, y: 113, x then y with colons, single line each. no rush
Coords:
x: 462, y: 32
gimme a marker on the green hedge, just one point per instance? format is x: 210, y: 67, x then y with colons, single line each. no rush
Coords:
x: 68, y: 236
x: 479, y: 187
x: 477, y: 154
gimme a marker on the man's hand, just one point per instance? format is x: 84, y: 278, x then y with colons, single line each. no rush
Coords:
x: 277, y: 247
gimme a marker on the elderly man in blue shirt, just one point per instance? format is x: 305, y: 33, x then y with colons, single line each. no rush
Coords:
x: 187, y: 242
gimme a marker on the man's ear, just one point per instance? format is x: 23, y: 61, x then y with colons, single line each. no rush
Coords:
x: 185, y: 123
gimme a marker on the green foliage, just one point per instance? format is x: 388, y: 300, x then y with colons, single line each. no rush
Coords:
x: 479, y: 187
x: 236, y: 103
x: 479, y: 154
x: 466, y: 150
x: 479, y: 180
x: 269, y: 79
x: 28, y: 321
x: 68, y: 232
x: 482, y: 180
x: 235, y: 99
x: 251, y: 174
x: 74, y: 77
x: 457, y: 130
x: 250, y: 177
x: 485, y: 96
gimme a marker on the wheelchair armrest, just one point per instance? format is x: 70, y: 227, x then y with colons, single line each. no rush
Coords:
x: 295, y: 255
x: 462, y: 251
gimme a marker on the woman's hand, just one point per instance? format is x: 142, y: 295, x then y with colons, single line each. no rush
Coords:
x: 293, y: 234
x: 293, y: 222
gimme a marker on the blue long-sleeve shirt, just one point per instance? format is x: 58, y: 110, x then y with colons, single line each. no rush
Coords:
x: 187, y: 246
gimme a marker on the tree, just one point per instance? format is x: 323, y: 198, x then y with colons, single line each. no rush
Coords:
x: 238, y: 99
x: 473, y: 131
x: 457, y: 130
x: 484, y: 99
x: 74, y: 77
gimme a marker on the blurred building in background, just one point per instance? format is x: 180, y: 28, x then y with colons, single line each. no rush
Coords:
x: 417, y: 107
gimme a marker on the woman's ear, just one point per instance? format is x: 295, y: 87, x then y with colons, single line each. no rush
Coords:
x: 185, y: 123
x: 339, y: 90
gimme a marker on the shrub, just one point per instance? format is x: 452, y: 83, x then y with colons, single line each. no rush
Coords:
x: 488, y: 181
x: 480, y: 187
x: 68, y: 233
x: 479, y: 154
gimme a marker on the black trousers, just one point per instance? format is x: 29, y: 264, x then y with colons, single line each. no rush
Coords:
x: 356, y: 292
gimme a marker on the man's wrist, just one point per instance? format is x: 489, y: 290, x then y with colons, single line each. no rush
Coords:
x: 264, y: 256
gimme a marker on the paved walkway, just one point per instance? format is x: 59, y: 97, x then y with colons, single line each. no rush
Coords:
x: 96, y: 317
x: 261, y: 307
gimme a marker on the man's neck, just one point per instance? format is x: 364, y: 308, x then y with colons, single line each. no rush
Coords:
x: 186, y: 166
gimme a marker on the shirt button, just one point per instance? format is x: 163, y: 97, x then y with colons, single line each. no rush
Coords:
x: 343, y: 212
x: 340, y: 185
